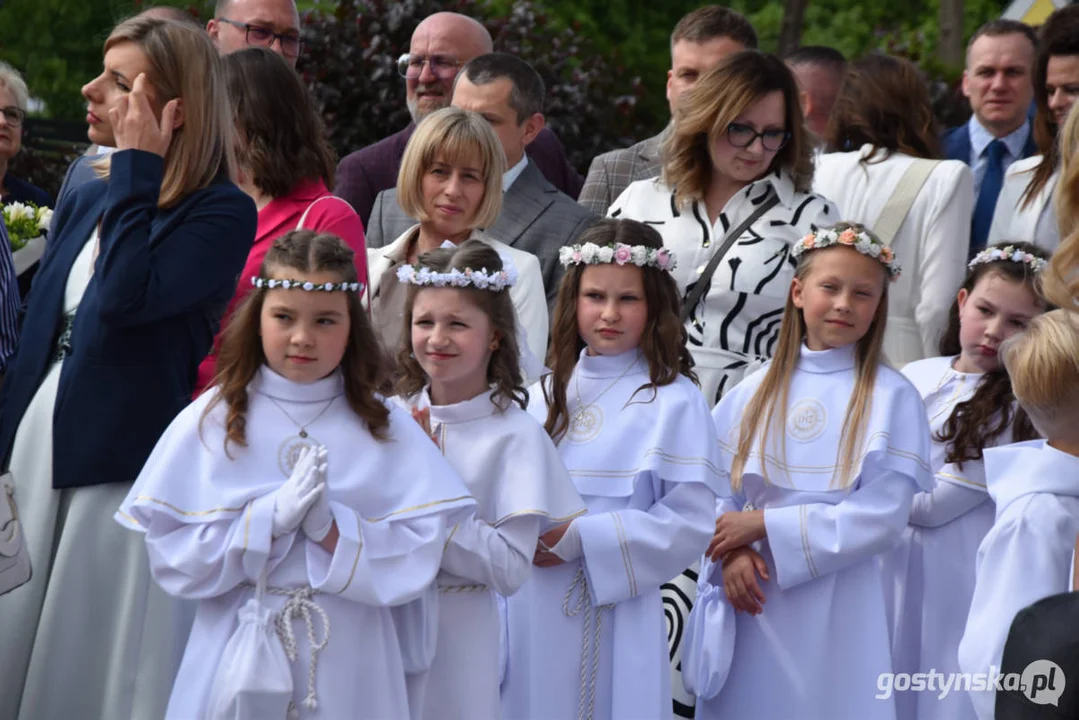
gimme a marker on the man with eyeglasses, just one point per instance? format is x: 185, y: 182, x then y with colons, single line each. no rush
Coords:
x: 273, y: 24
x: 441, y: 45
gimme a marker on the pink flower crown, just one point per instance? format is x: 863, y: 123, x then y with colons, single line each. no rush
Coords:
x: 618, y: 253
x: 863, y: 242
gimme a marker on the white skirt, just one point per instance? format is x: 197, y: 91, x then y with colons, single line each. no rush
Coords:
x: 91, y: 635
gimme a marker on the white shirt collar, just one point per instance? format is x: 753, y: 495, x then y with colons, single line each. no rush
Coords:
x: 514, y: 172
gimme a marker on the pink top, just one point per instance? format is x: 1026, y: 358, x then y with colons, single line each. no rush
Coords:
x: 282, y: 215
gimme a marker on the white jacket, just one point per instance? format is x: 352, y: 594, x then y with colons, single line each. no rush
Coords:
x: 1037, y: 222
x: 931, y: 244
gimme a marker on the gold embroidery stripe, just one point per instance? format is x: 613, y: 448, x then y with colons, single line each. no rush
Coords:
x: 449, y: 537
x: 130, y: 519
x: 541, y: 513
x: 804, y: 527
x: 359, y: 549
x: 419, y: 507
x: 627, y: 559
x: 963, y: 480
x: 673, y: 459
x: 829, y: 469
x: 247, y: 524
x: 189, y: 513
x: 950, y: 402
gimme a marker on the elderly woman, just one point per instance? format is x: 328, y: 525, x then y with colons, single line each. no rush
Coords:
x: 1024, y: 208
x: 140, y: 266
x: 13, y: 103
x: 882, y: 171
x: 285, y: 165
x: 738, y: 144
x: 451, y: 180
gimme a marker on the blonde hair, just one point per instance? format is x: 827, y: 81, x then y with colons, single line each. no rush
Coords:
x: 184, y: 65
x: 455, y: 136
x: 1060, y: 281
x: 721, y: 95
x: 1044, y: 367
x: 766, y: 411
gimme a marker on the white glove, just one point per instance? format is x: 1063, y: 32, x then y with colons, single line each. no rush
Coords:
x: 316, y: 525
x: 293, y: 499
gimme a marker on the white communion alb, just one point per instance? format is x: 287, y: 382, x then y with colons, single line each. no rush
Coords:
x: 208, y: 519
x: 587, y: 638
x: 816, y: 650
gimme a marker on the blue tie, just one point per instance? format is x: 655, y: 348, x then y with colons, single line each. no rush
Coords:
x: 987, y: 196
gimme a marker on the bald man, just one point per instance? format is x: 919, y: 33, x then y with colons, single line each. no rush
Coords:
x: 441, y: 45
x: 267, y: 23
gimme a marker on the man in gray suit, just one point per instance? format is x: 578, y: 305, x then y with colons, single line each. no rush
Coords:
x: 536, y: 217
x: 699, y: 41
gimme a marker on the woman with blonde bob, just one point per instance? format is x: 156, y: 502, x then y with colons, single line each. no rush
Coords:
x: 883, y: 169
x: 738, y: 139
x: 825, y: 448
x: 1060, y: 281
x: 451, y: 181
x: 140, y: 266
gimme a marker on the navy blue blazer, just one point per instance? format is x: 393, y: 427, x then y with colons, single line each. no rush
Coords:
x: 161, y: 282
x: 22, y: 191
x: 956, y: 144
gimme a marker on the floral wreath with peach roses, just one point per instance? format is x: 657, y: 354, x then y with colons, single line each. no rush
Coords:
x: 862, y: 241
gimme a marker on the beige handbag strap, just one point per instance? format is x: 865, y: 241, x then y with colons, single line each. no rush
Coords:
x: 303, y: 217
x: 898, y: 206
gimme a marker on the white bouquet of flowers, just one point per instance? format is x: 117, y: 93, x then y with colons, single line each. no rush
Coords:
x: 25, y: 221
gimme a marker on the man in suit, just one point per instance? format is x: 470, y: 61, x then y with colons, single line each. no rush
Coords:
x: 274, y: 24
x: 536, y: 217
x: 441, y: 44
x: 819, y: 70
x: 699, y: 41
x: 998, y: 81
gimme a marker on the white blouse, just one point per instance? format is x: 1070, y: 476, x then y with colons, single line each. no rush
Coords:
x: 1037, y: 222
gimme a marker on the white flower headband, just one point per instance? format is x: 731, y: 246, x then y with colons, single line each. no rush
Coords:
x: 639, y: 255
x: 480, y: 279
x: 863, y: 242
x: 1008, y: 252
x: 272, y: 283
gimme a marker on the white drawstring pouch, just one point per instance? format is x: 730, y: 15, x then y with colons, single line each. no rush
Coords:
x: 253, y: 679
x: 708, y: 640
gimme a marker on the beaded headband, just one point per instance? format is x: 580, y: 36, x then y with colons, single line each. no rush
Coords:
x: 618, y: 253
x: 863, y: 242
x: 1008, y: 252
x: 481, y: 279
x: 272, y: 283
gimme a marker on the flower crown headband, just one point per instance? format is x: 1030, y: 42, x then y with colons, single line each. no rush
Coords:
x: 1008, y: 252
x: 619, y: 253
x: 272, y: 283
x: 482, y: 279
x: 863, y: 242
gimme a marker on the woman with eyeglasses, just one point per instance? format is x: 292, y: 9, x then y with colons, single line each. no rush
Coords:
x: 882, y: 170
x: 13, y: 103
x: 738, y: 142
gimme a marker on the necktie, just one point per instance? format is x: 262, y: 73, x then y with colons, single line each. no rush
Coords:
x: 987, y: 195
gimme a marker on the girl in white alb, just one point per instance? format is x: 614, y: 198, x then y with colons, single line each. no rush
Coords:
x: 290, y: 472
x: 929, y: 577
x: 825, y: 448
x: 461, y: 378
x: 586, y: 632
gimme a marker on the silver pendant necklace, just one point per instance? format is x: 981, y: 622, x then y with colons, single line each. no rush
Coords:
x: 291, y: 447
x: 586, y: 421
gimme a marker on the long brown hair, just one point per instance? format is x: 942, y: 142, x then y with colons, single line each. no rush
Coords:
x: 1060, y: 281
x: 1059, y: 37
x: 883, y: 102
x: 767, y: 409
x: 663, y: 342
x: 974, y: 423
x: 241, y: 355
x: 720, y: 96
x: 281, y: 137
x: 504, y: 366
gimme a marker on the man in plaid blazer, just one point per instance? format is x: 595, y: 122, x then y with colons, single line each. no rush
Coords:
x: 700, y: 40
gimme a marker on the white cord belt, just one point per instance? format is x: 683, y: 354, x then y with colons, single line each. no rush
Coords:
x: 586, y: 705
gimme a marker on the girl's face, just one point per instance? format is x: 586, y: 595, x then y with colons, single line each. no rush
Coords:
x: 123, y: 63
x: 451, y: 196
x: 745, y: 164
x: 994, y: 310
x: 838, y: 296
x: 452, y: 339
x: 304, y: 334
x: 611, y: 308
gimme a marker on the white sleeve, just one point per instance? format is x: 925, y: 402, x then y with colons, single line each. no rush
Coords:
x: 957, y: 492
x: 498, y: 557
x: 1007, y: 207
x: 388, y: 562
x: 530, y: 302
x: 1021, y: 561
x: 808, y: 541
x: 943, y: 259
x: 631, y: 552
